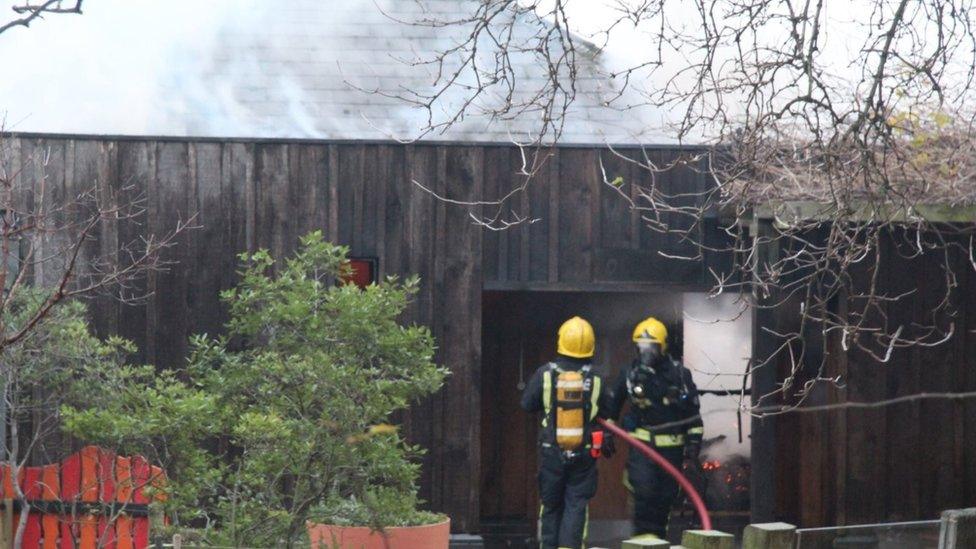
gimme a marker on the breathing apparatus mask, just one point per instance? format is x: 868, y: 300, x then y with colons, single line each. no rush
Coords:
x: 655, y: 380
x: 641, y: 381
x: 649, y: 354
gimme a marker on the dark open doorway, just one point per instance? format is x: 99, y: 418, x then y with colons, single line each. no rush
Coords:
x: 518, y: 335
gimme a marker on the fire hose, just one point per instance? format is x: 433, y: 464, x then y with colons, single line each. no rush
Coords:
x: 685, y: 484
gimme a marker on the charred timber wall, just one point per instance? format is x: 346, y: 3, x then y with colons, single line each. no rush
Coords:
x: 247, y: 195
x: 909, y: 459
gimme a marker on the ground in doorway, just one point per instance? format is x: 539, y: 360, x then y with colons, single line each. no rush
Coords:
x: 603, y: 533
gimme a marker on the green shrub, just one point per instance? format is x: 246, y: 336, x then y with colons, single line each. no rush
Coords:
x: 381, y: 507
x: 290, y: 405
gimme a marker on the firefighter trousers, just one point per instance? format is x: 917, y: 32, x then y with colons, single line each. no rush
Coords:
x: 565, y: 488
x: 652, y: 489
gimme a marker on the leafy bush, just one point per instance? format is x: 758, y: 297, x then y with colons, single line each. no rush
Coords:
x: 294, y: 399
x: 137, y: 410
x: 59, y: 375
x: 382, y: 507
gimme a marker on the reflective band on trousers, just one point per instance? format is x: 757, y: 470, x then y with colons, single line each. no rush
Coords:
x: 696, y: 431
x: 660, y: 441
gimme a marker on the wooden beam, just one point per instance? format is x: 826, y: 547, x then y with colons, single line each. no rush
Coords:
x: 625, y: 287
x: 792, y: 212
x: 763, y: 440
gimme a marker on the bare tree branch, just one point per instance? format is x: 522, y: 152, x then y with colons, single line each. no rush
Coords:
x: 30, y: 12
x: 846, y: 127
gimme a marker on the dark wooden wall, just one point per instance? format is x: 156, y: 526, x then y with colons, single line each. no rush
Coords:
x: 903, y: 461
x: 586, y: 235
x: 898, y: 462
x: 247, y: 195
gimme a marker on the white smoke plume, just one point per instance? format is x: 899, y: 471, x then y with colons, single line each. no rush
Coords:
x: 717, y: 349
x: 251, y: 68
x: 100, y: 72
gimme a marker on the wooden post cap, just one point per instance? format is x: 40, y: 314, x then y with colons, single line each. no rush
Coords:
x: 770, y: 535
x: 647, y: 540
x: 707, y: 539
x: 958, y: 529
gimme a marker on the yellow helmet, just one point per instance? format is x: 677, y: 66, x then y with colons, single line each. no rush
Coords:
x: 576, y: 338
x: 653, y: 330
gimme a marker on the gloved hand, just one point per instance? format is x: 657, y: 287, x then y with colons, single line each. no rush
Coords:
x: 693, y: 452
x: 609, y: 447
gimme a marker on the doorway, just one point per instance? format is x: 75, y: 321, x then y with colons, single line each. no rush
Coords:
x: 519, y: 335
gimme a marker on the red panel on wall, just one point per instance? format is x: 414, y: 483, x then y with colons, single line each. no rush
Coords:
x: 362, y: 272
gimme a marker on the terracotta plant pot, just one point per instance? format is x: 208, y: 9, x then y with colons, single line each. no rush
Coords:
x: 430, y: 536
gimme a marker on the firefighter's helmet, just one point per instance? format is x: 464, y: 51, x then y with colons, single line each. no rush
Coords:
x: 651, y: 330
x: 576, y: 338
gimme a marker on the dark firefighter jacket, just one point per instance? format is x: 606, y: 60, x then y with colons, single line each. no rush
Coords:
x: 661, y: 407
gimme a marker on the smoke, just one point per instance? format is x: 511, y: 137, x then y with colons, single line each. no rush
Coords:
x: 717, y: 347
x: 101, y: 72
x: 246, y: 68
x: 304, y: 68
x: 151, y: 67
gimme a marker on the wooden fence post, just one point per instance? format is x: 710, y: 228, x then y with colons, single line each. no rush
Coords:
x: 958, y: 530
x: 7, y: 524
x: 771, y: 535
x: 707, y: 539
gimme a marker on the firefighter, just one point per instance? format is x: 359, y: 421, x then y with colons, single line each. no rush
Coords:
x: 661, y: 392
x: 570, y: 396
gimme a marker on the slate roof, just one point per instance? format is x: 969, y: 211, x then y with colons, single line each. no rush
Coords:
x: 291, y: 69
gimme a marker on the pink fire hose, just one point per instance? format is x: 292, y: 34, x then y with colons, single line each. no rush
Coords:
x: 685, y: 484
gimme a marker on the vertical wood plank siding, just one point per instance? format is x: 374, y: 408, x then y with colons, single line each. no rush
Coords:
x: 901, y: 462
x: 249, y: 195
